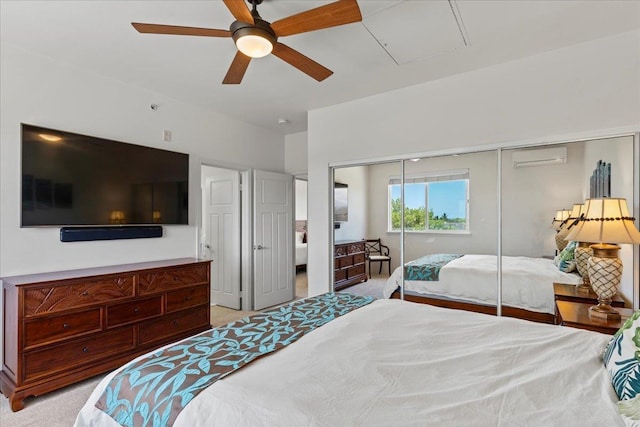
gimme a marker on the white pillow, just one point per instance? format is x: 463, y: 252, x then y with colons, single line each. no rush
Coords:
x: 299, y: 237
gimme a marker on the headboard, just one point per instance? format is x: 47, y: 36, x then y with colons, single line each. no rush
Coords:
x: 301, y: 225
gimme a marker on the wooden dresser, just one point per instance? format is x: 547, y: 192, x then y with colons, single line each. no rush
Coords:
x: 63, y: 327
x: 349, y: 263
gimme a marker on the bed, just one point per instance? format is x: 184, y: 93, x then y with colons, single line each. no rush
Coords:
x: 301, y: 245
x: 301, y: 255
x: 393, y: 362
x: 469, y: 282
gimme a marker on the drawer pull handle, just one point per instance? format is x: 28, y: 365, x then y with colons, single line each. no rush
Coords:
x: 65, y: 326
x: 188, y: 297
x: 175, y: 278
x: 136, y: 309
x: 85, y: 293
x: 85, y: 349
x: 175, y: 323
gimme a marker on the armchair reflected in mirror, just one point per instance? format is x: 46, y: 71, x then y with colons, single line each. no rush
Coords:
x: 375, y: 251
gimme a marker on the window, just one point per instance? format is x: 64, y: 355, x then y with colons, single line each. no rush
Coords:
x: 432, y: 203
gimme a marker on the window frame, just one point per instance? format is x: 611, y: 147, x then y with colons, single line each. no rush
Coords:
x: 428, y: 178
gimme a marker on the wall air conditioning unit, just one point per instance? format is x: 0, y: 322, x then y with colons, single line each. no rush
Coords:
x: 539, y: 157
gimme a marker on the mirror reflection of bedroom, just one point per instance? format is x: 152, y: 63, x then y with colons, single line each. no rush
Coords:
x: 451, y: 225
x: 301, y: 237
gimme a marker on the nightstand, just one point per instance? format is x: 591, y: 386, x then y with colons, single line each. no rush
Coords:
x: 566, y: 292
x: 576, y: 315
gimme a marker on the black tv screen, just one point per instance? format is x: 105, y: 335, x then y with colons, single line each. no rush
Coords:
x: 70, y: 179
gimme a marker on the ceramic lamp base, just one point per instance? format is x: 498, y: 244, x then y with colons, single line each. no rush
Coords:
x: 582, y: 254
x: 605, y: 272
x: 561, y: 242
x: 604, y: 311
x: 584, y: 288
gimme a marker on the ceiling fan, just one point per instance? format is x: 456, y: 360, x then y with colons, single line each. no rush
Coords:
x: 254, y: 37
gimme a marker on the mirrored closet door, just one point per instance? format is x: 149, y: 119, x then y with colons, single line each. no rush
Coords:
x: 446, y: 218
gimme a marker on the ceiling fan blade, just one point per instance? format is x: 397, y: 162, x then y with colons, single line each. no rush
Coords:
x: 239, y: 10
x: 331, y: 15
x: 180, y: 31
x: 301, y: 62
x: 237, y: 69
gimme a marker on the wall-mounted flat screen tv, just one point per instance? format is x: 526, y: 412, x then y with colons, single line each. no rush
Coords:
x: 70, y: 179
x: 340, y: 202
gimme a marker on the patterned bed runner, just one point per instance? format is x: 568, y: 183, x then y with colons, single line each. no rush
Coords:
x: 153, y: 390
x: 428, y: 267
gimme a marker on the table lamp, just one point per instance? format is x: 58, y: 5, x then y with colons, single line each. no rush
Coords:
x: 566, y: 226
x: 582, y: 254
x: 561, y: 216
x: 606, y: 223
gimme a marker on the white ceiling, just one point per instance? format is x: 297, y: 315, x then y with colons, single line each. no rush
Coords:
x: 398, y: 44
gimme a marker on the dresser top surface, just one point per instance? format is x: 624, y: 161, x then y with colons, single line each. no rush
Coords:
x: 98, y: 271
x: 346, y: 242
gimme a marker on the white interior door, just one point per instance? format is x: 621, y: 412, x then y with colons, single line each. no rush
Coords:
x: 273, y: 239
x: 221, y: 223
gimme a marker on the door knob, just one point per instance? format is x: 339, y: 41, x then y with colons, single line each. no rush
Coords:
x: 259, y: 247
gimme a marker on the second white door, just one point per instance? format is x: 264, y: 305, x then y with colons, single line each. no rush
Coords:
x: 222, y: 234
x: 273, y: 227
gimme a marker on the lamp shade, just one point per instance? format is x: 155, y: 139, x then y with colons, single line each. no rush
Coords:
x: 575, y: 214
x: 577, y: 210
x: 561, y: 216
x: 606, y: 221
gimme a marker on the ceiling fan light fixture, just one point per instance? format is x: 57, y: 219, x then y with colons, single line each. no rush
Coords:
x: 254, y: 46
x: 256, y: 40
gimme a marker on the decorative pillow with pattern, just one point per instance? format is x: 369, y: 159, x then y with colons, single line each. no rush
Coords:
x: 622, y: 359
x: 565, y: 260
x: 630, y: 411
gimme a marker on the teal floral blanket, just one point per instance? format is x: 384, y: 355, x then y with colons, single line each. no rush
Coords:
x: 428, y: 267
x: 153, y: 390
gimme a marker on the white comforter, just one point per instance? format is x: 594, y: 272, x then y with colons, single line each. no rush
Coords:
x: 526, y: 282
x: 396, y: 363
x: 301, y: 253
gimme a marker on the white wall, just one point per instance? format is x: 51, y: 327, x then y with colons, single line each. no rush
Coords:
x: 301, y: 200
x: 584, y: 89
x: 45, y: 92
x: 531, y: 197
x: 295, y: 153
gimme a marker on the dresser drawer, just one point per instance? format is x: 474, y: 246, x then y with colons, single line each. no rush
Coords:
x: 54, y: 328
x: 358, y: 258
x: 346, y: 261
x: 78, y: 352
x: 340, y: 275
x: 355, y: 247
x: 167, y: 280
x: 188, y: 297
x: 174, y: 325
x: 70, y: 295
x: 355, y: 271
x: 135, y: 311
